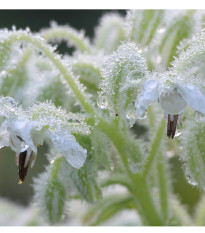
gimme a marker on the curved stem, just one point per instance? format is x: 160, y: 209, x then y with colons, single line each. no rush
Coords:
x: 57, y: 62
x: 68, y: 34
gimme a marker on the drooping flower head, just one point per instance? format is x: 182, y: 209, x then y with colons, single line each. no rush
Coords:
x: 24, y: 131
x: 174, y: 93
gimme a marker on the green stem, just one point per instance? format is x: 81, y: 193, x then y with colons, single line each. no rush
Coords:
x: 68, y: 34
x: 154, y: 147
x: 145, y: 203
x: 151, y: 117
x: 139, y: 190
x: 163, y: 187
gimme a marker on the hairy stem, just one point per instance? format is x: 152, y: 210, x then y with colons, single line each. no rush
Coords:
x: 155, y: 146
x: 163, y: 186
x: 140, y: 191
x: 68, y: 34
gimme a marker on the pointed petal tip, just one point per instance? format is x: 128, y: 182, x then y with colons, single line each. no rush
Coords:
x: 20, y: 181
x: 33, y: 160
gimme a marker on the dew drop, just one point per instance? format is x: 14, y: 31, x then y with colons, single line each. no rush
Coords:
x: 9, y: 101
x: 143, y: 115
x: 13, y: 27
x: 189, y: 180
x: 158, y: 59
x: 161, y: 30
x: 141, y: 111
x: 134, y: 76
x: 3, y: 73
x: 192, y: 183
x: 24, y: 147
x: 177, y: 134
x: 131, y: 116
x: 102, y: 101
x: 52, y: 161
x: 199, y: 116
x: 112, y: 168
x: 28, y: 29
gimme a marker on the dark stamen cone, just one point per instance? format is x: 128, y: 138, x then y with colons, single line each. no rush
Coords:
x: 171, y: 126
x: 22, y: 171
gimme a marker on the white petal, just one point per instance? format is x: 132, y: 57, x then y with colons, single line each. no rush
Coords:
x: 172, y: 101
x: 25, y: 133
x: 67, y: 146
x: 16, y: 143
x: 17, y: 158
x: 149, y: 95
x: 4, y: 135
x: 33, y: 159
x: 194, y: 96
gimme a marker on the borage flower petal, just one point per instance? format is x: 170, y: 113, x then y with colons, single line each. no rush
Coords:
x: 24, y: 135
x: 173, y: 94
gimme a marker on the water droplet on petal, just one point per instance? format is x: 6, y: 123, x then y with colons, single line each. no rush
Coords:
x: 3, y: 73
x: 193, y: 183
x: 199, y: 116
x: 135, y: 76
x: 177, y: 134
x: 141, y: 111
x: 143, y: 115
x: 9, y: 101
x: 102, y: 101
x: 131, y: 116
x: 161, y: 30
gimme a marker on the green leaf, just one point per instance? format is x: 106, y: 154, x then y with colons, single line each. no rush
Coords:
x: 14, y: 80
x: 179, y: 28
x: 142, y: 25
x: 85, y: 182
x: 109, y: 33
x: 179, y: 216
x: 50, y: 193
x: 88, y: 72
x: 5, y: 51
x: 200, y: 212
x: 54, y: 200
x: 101, y: 150
x: 190, y: 61
x: 115, y: 95
x: 84, y: 179
x: 193, y: 152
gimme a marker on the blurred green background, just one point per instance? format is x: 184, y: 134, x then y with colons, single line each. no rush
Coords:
x: 79, y: 19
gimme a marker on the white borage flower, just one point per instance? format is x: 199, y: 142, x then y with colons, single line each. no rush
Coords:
x: 174, y: 94
x: 24, y: 135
